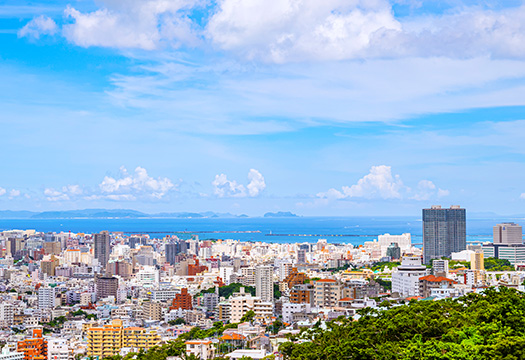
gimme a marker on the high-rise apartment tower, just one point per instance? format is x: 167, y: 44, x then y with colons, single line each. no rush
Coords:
x: 444, y: 232
x: 102, y: 248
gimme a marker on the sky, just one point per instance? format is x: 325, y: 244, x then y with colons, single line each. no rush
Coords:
x: 325, y: 108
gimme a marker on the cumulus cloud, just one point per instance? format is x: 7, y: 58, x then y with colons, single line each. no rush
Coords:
x: 256, y: 183
x: 380, y: 183
x: 142, y: 24
x: 2, y: 191
x: 55, y: 195
x: 67, y: 192
x: 222, y: 187
x: 427, y: 190
x: 294, y: 30
x: 139, y: 183
x: 41, y: 25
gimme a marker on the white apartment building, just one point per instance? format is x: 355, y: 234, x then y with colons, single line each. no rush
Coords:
x: 46, y: 298
x: 202, y: 349
x: 404, y: 241
x: 264, y: 283
x: 148, y: 276
x: 284, y: 270
x: 263, y: 310
x: 405, y: 278
x: 440, y: 267
x: 243, y: 302
x: 163, y: 295
x: 225, y: 273
x: 57, y: 349
x: 248, y: 274
x: 7, y: 313
x: 289, y: 309
x: 7, y: 354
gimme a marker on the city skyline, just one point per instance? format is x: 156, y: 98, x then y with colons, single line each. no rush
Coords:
x: 367, y: 108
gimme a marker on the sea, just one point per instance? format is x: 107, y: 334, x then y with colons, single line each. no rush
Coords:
x: 341, y: 230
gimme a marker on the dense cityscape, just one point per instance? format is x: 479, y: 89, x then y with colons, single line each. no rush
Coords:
x: 78, y: 296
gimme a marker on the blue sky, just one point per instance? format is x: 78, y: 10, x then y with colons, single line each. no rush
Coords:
x: 320, y: 108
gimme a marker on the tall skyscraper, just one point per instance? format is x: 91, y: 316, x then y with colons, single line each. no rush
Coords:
x: 172, y: 249
x: 444, y: 232
x: 508, y: 233
x: 264, y: 283
x: 102, y: 248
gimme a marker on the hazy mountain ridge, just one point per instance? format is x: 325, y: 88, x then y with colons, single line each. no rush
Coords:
x: 109, y: 213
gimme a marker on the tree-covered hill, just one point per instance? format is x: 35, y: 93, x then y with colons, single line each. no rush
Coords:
x: 476, y: 326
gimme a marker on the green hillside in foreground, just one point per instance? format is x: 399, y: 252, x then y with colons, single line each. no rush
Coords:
x: 476, y: 326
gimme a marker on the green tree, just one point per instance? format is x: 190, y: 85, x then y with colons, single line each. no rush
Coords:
x: 483, y: 326
x: 249, y: 316
x: 493, y: 264
x: 178, y: 321
x: 276, y: 291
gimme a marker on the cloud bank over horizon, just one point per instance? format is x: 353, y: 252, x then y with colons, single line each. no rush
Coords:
x: 333, y: 107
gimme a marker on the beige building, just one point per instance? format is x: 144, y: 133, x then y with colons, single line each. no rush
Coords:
x: 52, y: 247
x: 507, y: 233
x: 326, y: 292
x: 243, y: 302
x: 477, y: 264
x: 151, y: 310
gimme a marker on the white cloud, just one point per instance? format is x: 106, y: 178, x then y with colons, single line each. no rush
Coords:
x: 2, y: 191
x: 295, y: 30
x: 427, y: 190
x: 299, y: 29
x: 141, y: 24
x: 380, y: 183
x: 222, y: 187
x: 55, y: 195
x: 67, y: 193
x: 522, y: 196
x: 72, y: 189
x: 128, y: 186
x: 256, y: 183
x: 121, y: 197
x: 14, y: 193
x: 41, y: 25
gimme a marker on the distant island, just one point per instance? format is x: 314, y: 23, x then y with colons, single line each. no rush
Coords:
x: 280, y: 214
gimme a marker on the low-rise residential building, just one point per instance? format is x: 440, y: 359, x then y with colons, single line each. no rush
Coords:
x: 203, y: 349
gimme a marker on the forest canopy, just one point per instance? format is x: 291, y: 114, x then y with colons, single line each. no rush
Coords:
x: 476, y: 326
